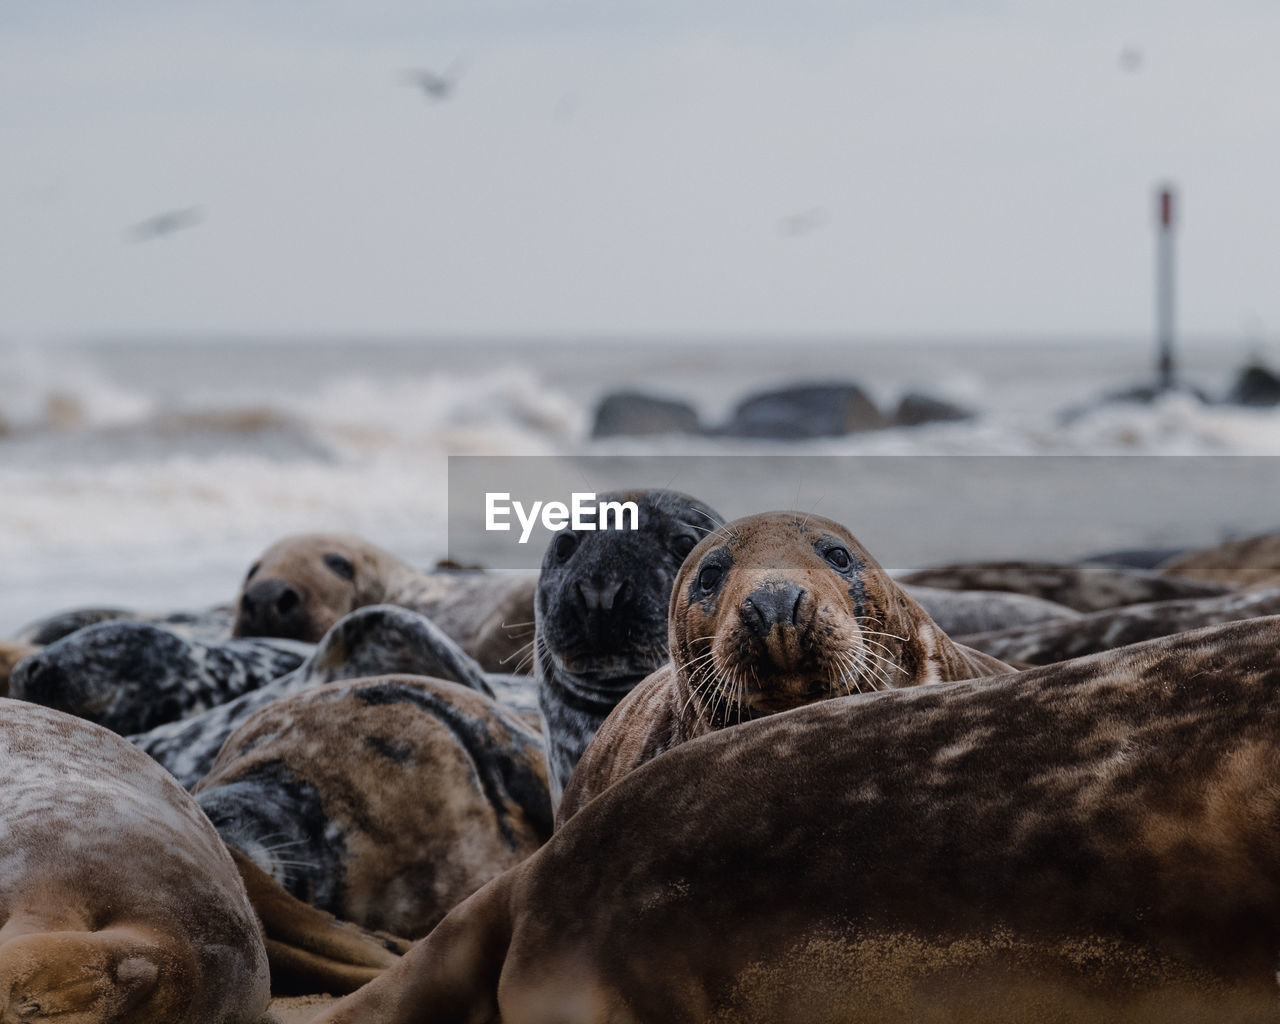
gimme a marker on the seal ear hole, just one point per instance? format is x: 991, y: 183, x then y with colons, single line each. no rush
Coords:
x: 566, y: 544
x: 340, y: 566
x: 709, y: 576
x: 683, y: 544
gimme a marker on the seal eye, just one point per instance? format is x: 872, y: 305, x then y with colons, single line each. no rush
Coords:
x: 839, y: 558
x: 566, y: 545
x: 709, y: 577
x: 682, y: 545
x: 340, y: 566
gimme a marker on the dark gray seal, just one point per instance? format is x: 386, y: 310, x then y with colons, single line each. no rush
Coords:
x: 131, y: 676
x: 1049, y: 642
x: 383, y: 801
x: 378, y: 640
x: 1089, y: 842
x: 600, y: 616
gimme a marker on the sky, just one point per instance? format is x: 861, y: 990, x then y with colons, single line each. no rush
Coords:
x: 636, y: 167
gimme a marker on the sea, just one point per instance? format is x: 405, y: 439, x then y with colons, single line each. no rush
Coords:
x: 148, y: 473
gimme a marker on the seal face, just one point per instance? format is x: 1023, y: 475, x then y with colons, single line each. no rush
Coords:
x: 373, y: 641
x: 601, y: 615
x: 384, y: 801
x: 131, y: 676
x: 769, y: 613
x: 304, y: 583
x: 118, y: 901
x: 1091, y: 841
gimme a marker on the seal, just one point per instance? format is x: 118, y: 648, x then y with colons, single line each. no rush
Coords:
x: 118, y: 901
x: 211, y: 625
x: 1084, y: 587
x: 976, y: 611
x: 1050, y: 642
x: 304, y: 583
x: 1247, y: 562
x: 600, y: 616
x: 378, y: 640
x: 1086, y: 842
x: 383, y: 801
x: 769, y: 613
x: 132, y: 676
x: 10, y: 655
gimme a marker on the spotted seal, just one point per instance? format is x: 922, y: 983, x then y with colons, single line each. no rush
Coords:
x: 1246, y: 562
x: 378, y: 640
x: 600, y: 615
x: 768, y: 613
x: 1087, y: 842
x: 133, y: 676
x: 1084, y: 587
x: 1049, y: 642
x: 384, y: 801
x: 302, y: 584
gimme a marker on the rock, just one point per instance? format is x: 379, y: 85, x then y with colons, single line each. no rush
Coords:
x: 915, y: 409
x: 804, y: 411
x: 1256, y: 385
x: 633, y: 414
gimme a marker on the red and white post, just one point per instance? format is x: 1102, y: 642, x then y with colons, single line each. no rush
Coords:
x: 1164, y: 285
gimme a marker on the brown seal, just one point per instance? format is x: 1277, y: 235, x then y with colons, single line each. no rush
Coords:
x: 1085, y: 587
x: 436, y: 790
x: 1246, y: 562
x: 769, y: 613
x: 304, y: 583
x: 10, y: 655
x: 1092, y: 841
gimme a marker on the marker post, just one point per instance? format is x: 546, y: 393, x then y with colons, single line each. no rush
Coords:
x: 1164, y: 286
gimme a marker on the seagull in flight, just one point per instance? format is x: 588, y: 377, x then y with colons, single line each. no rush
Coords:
x: 164, y: 224
x: 434, y: 86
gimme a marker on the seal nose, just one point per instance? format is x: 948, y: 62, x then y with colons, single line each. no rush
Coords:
x: 597, y: 596
x: 774, y: 604
x: 271, y: 608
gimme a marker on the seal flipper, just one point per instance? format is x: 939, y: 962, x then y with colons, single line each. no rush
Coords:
x: 455, y: 970
x: 308, y: 949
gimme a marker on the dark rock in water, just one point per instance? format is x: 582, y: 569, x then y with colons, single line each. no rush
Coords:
x: 804, y: 411
x: 1139, y: 394
x: 915, y: 409
x: 1256, y: 385
x: 632, y: 414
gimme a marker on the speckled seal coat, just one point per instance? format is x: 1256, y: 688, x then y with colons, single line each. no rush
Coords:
x: 769, y: 613
x: 1085, y: 587
x: 303, y: 584
x: 601, y: 616
x: 384, y: 801
x: 132, y: 676
x: 1047, y: 642
x: 1092, y: 841
x: 373, y: 641
x: 118, y: 901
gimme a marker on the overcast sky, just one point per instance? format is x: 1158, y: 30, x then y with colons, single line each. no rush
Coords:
x: 637, y: 166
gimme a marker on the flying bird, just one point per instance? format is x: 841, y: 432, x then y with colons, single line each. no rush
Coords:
x: 434, y: 86
x: 802, y: 223
x: 164, y: 224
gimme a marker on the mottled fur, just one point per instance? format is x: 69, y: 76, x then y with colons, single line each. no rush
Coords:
x: 1252, y: 561
x: 373, y: 641
x: 1104, y: 631
x: 1092, y: 841
x: 131, y: 676
x: 1086, y: 588
x: 212, y: 625
x: 847, y: 627
x: 384, y: 801
x: 976, y: 611
x: 487, y: 614
x: 601, y: 616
